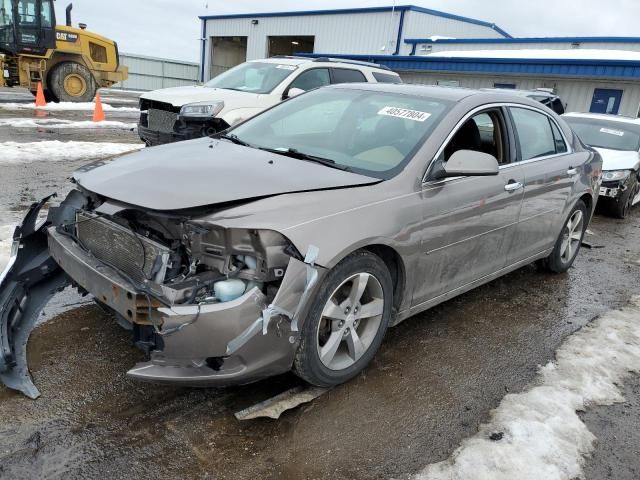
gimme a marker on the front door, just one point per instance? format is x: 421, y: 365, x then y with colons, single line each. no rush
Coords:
x: 468, y: 219
x: 606, y: 100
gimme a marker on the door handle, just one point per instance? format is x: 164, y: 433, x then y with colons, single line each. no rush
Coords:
x: 512, y: 186
x: 572, y: 171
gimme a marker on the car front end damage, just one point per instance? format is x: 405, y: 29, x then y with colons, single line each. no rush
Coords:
x: 208, y: 305
x: 162, y: 122
x: 616, y: 182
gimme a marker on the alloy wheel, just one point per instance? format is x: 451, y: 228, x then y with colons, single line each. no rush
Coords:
x: 572, y: 236
x: 350, y: 321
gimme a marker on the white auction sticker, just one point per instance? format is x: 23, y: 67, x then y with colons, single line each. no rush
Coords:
x: 287, y: 67
x: 404, y: 113
x: 612, y: 132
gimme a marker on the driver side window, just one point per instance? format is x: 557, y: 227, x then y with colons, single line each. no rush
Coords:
x: 484, y: 132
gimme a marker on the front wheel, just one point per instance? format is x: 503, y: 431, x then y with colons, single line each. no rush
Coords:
x: 569, y: 242
x: 72, y: 82
x: 346, y: 322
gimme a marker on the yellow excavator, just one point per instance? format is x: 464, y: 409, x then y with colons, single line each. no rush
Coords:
x: 71, y: 63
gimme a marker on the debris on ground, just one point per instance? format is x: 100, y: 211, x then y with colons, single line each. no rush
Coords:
x: 276, y: 406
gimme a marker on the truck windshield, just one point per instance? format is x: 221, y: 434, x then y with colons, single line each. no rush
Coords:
x: 606, y: 134
x: 253, y: 77
x: 369, y: 132
x: 6, y: 17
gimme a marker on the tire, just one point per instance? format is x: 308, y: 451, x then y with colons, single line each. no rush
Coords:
x: 622, y: 207
x: 72, y: 82
x: 560, y: 260
x: 358, y: 338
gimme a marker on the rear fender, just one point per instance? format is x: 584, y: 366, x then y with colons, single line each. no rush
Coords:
x: 27, y: 284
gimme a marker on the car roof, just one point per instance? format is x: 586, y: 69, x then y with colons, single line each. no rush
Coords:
x: 604, y: 117
x: 293, y: 60
x: 436, y: 92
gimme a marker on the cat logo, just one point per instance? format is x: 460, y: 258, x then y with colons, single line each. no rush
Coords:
x: 67, y: 37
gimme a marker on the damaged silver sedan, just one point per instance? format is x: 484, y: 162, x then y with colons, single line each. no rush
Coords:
x: 294, y: 240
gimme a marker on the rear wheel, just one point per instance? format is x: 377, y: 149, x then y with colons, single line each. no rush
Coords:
x: 569, y: 242
x: 347, y: 321
x: 72, y: 82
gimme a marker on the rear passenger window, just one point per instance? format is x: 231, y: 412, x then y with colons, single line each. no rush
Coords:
x: 561, y: 146
x: 386, y: 77
x: 344, y: 75
x: 534, y: 133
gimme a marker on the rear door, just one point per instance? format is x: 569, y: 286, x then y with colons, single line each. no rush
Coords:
x: 468, y: 219
x: 546, y: 163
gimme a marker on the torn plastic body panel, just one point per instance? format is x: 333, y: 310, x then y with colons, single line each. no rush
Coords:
x: 191, y: 337
x: 27, y: 284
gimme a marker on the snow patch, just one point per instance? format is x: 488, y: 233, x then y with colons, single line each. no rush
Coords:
x: 57, y: 123
x: 538, y: 434
x: 66, y: 106
x: 55, y: 150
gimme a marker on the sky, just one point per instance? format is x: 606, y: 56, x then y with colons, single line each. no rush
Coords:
x: 171, y: 29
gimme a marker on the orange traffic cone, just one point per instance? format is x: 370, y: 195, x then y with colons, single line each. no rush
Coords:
x: 40, y: 101
x: 98, y: 113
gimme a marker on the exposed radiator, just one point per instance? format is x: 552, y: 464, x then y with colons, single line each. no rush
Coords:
x: 137, y: 256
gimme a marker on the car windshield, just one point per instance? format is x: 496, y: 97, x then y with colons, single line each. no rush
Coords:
x: 606, y: 134
x: 368, y: 132
x: 254, y: 77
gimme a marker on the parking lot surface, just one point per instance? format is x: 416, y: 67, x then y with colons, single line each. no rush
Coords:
x: 435, y: 380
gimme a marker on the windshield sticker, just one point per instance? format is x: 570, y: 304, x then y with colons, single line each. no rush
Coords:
x: 612, y: 132
x: 404, y: 113
x: 287, y: 67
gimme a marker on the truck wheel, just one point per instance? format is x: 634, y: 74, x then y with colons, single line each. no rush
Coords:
x: 72, y: 82
x: 347, y: 321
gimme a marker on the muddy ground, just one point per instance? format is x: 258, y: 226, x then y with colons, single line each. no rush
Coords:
x: 434, y: 381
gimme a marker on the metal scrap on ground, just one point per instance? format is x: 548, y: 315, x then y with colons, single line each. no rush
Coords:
x: 276, y: 406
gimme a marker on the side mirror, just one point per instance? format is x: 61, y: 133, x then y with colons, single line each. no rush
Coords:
x: 294, y: 92
x: 468, y: 163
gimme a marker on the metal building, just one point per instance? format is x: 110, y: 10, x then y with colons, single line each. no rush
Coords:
x: 151, y: 73
x: 228, y: 40
x: 597, y: 74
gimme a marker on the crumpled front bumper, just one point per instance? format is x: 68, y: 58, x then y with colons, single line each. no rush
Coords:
x: 234, y: 342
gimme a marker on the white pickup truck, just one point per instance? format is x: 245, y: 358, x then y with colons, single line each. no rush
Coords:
x: 181, y: 113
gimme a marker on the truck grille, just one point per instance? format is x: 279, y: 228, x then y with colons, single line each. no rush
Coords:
x: 161, y: 120
x: 136, y: 256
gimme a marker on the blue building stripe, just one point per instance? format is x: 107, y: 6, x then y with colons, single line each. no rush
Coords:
x: 511, y: 40
x: 530, y: 66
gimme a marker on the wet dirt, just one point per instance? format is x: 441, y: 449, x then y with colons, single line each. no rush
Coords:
x: 434, y: 381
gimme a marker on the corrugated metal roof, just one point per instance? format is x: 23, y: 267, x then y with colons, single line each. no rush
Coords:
x: 345, y: 11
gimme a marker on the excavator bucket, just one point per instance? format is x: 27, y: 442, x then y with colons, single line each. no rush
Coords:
x: 27, y: 284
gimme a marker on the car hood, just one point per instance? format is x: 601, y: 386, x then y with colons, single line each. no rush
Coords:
x: 205, y: 172
x: 619, y: 159
x: 180, y: 96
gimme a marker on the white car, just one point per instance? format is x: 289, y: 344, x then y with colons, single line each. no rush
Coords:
x: 617, y: 139
x: 181, y: 113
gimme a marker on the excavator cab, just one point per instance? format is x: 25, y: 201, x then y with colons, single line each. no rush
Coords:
x: 27, y: 26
